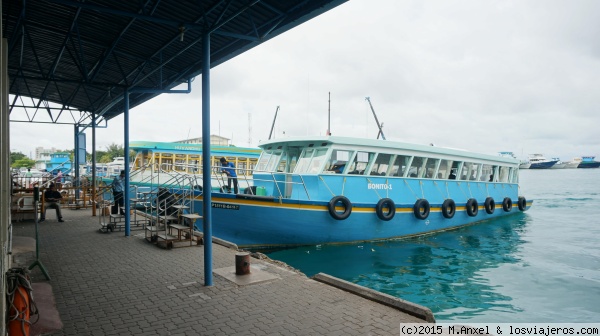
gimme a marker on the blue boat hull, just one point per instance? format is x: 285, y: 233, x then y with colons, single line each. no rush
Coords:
x: 267, y: 223
x: 542, y: 165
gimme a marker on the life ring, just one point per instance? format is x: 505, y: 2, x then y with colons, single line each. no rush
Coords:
x: 472, y: 207
x: 421, y: 208
x: 345, y: 203
x: 448, y: 208
x: 507, y: 204
x: 381, y: 205
x: 522, y: 203
x: 489, y: 205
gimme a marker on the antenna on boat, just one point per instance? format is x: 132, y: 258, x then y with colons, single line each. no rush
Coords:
x: 273, y: 125
x: 249, y: 129
x: 329, y: 116
x: 376, y: 120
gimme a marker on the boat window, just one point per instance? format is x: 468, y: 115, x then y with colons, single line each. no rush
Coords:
x: 263, y: 161
x: 515, y: 175
x: 304, y: 160
x: 381, y: 164
x: 317, y: 161
x: 504, y: 171
x: 417, y: 167
x: 338, y: 160
x: 445, y: 169
x: 180, y: 162
x: 430, y: 167
x: 360, y: 163
x: 469, y: 171
x: 274, y: 161
x: 487, y: 173
x: 399, y: 167
x: 456, y: 165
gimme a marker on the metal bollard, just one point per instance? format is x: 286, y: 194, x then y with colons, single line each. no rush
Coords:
x: 242, y: 263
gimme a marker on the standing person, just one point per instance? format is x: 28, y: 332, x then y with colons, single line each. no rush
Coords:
x: 59, y: 179
x: 117, y: 187
x: 28, y: 175
x: 229, y: 169
x: 52, y: 197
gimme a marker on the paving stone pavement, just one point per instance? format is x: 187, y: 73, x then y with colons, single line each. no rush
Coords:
x: 109, y: 284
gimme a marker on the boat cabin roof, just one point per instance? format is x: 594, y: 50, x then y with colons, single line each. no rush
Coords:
x: 379, y: 146
x: 180, y: 148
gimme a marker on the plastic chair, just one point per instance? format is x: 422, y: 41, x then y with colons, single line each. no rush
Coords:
x: 25, y: 205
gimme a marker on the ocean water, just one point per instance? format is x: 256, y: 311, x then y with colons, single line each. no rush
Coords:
x: 539, y: 266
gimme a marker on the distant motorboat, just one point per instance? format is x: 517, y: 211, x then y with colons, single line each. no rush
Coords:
x: 559, y: 164
x: 539, y: 161
x: 588, y: 162
x: 524, y: 165
x: 573, y: 163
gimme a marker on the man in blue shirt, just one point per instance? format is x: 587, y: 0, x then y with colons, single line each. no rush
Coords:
x: 117, y: 187
x: 229, y: 169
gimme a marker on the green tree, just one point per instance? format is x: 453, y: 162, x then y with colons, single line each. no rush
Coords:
x: 23, y: 163
x: 114, y: 150
x: 14, y: 156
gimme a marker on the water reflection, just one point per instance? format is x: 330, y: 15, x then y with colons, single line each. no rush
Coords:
x: 445, y: 272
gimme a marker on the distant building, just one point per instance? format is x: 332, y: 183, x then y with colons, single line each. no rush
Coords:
x: 43, y: 154
x: 215, y: 140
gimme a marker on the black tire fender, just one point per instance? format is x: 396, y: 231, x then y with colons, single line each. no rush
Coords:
x: 507, y: 204
x: 421, y: 208
x: 522, y: 203
x: 490, y: 205
x: 381, y: 205
x: 345, y: 203
x: 448, y: 208
x: 472, y: 207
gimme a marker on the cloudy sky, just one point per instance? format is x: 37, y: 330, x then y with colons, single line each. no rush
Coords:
x: 485, y: 76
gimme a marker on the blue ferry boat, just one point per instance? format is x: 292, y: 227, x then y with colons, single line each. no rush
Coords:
x: 179, y: 165
x: 588, y: 162
x: 327, y: 189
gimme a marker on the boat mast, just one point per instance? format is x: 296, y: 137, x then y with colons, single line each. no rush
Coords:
x: 329, y: 116
x: 273, y: 125
x: 376, y: 120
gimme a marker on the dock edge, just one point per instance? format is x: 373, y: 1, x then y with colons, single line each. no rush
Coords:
x: 404, y: 306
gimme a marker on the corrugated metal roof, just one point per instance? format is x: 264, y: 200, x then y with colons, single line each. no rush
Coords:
x: 81, y: 55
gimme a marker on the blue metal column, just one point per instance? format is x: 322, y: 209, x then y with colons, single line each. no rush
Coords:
x: 75, y: 165
x: 126, y: 149
x: 206, y: 163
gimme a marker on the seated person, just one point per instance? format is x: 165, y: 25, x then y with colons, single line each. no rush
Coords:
x: 338, y: 167
x: 52, y: 197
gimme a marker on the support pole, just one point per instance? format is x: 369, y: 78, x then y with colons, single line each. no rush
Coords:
x: 94, y: 186
x: 126, y: 149
x: 206, y: 162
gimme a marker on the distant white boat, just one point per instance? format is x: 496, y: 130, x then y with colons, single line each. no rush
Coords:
x: 559, y: 164
x: 114, y: 168
x: 573, y: 163
x: 524, y: 165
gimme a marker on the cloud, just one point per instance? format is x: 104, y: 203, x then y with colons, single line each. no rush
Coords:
x: 484, y: 76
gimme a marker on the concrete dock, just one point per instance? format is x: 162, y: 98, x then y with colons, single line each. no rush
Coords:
x: 109, y: 284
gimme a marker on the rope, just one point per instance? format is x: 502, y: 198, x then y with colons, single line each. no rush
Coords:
x: 326, y: 186
x: 375, y: 190
x: 17, y: 278
x: 409, y: 188
x: 438, y: 188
